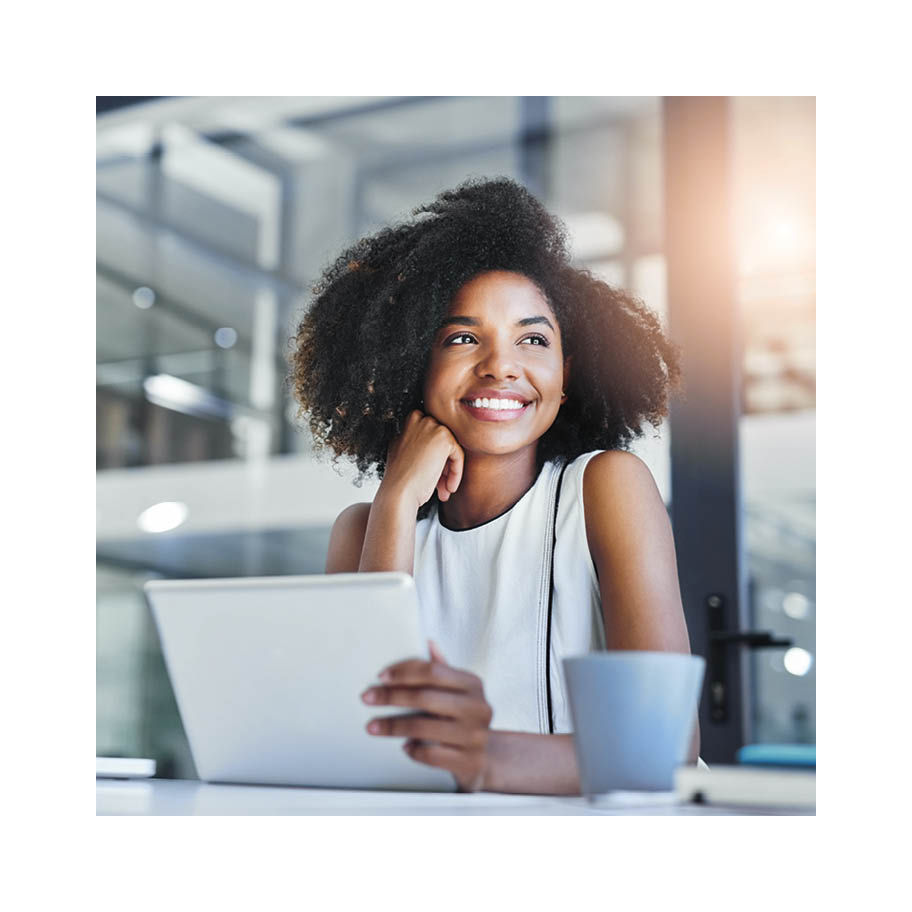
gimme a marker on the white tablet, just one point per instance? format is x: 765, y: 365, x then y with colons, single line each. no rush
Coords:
x: 268, y: 675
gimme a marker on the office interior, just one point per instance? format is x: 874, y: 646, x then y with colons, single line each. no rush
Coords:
x: 215, y: 215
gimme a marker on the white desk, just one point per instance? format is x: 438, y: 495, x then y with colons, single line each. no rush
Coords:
x: 172, y: 797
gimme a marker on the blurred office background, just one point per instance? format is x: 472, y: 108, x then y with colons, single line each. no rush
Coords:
x: 215, y: 215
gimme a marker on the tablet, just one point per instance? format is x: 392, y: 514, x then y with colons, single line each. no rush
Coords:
x: 268, y: 675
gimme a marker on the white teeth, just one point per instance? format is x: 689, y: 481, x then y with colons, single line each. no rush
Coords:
x: 496, y: 404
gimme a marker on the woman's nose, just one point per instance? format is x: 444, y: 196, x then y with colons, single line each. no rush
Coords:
x: 497, y: 361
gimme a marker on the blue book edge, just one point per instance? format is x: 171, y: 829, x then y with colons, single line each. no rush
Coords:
x: 803, y: 756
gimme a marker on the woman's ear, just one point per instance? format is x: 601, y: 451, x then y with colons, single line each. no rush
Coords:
x: 567, y: 362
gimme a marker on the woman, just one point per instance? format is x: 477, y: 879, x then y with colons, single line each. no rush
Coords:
x: 494, y: 388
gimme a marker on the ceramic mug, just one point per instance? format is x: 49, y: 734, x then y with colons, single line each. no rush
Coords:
x: 633, y: 717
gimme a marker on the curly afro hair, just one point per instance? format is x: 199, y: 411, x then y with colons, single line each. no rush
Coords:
x: 360, y: 352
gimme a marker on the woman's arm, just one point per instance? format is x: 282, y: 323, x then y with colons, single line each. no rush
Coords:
x: 381, y: 536
x: 373, y: 536
x: 389, y: 538
x: 346, y: 541
x: 528, y: 764
x: 632, y: 547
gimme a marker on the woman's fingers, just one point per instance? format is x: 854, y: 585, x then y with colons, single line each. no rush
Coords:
x: 449, y: 728
x: 436, y: 654
x: 448, y: 703
x: 422, y: 727
x: 454, y: 467
x: 421, y: 673
x: 452, y: 473
x: 468, y: 773
x: 443, y: 491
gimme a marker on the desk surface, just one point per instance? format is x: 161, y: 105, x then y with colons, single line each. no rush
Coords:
x: 177, y: 797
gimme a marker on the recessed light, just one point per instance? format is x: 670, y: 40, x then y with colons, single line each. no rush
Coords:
x: 143, y: 298
x: 163, y: 517
x: 225, y: 337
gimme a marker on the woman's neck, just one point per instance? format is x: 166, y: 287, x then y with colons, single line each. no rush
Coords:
x: 490, y: 485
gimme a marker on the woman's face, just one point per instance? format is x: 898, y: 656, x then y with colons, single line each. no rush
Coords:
x: 500, y: 340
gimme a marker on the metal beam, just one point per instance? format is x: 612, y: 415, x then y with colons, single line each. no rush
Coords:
x: 534, y: 143
x: 280, y: 284
x: 104, y: 104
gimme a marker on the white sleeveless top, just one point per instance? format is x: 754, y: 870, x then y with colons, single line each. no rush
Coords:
x: 483, y: 595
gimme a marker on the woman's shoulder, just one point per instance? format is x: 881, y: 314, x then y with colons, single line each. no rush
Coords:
x: 598, y: 468
x: 617, y: 473
x: 617, y: 485
x: 615, y: 461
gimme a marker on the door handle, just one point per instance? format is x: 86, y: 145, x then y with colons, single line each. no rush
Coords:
x: 719, y: 640
x: 755, y: 639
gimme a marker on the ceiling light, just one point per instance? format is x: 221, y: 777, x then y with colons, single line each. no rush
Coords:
x: 143, y: 298
x: 225, y: 337
x: 180, y: 395
x: 163, y: 517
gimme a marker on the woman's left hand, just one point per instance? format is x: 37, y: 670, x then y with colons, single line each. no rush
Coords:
x: 450, y: 725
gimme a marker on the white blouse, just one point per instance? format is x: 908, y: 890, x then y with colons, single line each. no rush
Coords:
x: 484, y: 593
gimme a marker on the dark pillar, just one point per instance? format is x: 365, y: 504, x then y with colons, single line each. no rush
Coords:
x: 705, y: 472
x: 534, y: 144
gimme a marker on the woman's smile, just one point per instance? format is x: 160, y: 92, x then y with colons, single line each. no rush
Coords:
x: 494, y: 409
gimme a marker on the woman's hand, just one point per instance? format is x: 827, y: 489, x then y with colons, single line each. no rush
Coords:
x: 423, y: 457
x: 451, y: 724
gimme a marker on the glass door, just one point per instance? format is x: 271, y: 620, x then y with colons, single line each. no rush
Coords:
x: 774, y: 149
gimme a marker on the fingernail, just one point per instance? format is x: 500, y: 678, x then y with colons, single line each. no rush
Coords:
x: 384, y: 676
x: 369, y: 696
x: 374, y: 728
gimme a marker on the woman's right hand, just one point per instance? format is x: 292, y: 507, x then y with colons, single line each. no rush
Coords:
x: 423, y: 457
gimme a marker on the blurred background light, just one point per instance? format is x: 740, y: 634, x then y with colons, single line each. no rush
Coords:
x: 182, y: 396
x: 785, y: 233
x: 796, y: 605
x: 143, y: 298
x: 594, y: 234
x: 797, y: 661
x: 163, y: 517
x: 225, y: 337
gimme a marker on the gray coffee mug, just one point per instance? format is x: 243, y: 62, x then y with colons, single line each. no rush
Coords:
x: 633, y: 717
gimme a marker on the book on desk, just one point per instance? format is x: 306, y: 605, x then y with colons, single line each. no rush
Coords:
x: 766, y: 775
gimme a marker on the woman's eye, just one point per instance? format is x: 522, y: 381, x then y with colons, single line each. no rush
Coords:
x: 541, y: 340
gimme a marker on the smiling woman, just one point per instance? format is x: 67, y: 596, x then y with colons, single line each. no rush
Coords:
x: 361, y: 351
x: 493, y: 388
